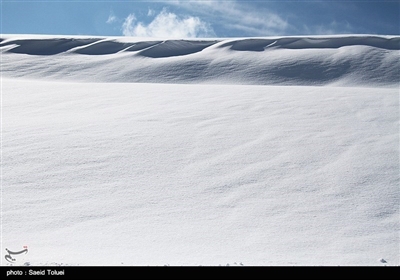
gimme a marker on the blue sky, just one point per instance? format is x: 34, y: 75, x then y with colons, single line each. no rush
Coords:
x: 200, y: 18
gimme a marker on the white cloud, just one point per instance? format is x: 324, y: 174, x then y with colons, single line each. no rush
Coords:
x: 167, y: 24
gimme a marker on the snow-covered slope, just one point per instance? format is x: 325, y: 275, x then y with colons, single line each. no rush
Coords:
x: 223, y: 169
x: 318, y: 60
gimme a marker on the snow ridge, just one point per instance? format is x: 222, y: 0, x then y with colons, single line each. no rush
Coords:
x: 303, y: 60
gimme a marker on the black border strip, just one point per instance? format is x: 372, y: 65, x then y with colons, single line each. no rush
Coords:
x: 199, y: 272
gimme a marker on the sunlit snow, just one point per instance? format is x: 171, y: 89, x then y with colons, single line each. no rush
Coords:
x: 248, y: 151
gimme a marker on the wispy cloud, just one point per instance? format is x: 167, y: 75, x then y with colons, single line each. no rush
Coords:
x: 150, y: 13
x: 111, y: 18
x: 238, y: 15
x: 128, y: 29
x: 167, y: 24
x: 333, y: 27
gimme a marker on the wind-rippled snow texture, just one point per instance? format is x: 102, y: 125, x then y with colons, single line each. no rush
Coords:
x: 155, y: 174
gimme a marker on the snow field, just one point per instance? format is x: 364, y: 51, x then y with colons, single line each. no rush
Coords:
x: 197, y: 174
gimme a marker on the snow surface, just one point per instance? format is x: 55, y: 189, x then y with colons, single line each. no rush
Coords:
x: 253, y: 151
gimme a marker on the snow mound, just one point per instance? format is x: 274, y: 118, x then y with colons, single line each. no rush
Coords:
x: 305, y: 60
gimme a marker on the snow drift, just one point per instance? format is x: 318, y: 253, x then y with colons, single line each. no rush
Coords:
x: 318, y: 60
x: 215, y: 167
